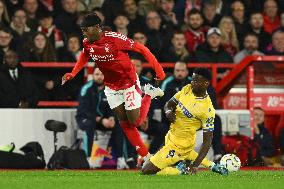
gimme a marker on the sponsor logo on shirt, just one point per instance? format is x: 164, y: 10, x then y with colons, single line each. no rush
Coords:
x: 102, y: 58
x: 117, y: 35
x: 184, y: 110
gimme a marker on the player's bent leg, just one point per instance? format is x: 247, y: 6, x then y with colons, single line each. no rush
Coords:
x: 217, y: 168
x: 133, y: 116
x: 149, y: 168
x: 205, y: 162
x: 120, y: 112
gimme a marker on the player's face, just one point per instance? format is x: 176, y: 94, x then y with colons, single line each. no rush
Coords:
x: 98, y: 76
x: 199, y: 84
x: 91, y: 33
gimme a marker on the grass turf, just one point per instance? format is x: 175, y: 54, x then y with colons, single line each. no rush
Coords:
x: 134, y: 180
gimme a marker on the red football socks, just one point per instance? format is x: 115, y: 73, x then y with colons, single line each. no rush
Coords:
x: 144, y: 109
x: 134, y: 138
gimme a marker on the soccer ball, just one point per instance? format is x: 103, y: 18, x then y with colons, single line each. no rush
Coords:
x: 231, y: 162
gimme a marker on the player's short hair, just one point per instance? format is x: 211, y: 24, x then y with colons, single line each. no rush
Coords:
x: 90, y: 20
x: 204, y: 72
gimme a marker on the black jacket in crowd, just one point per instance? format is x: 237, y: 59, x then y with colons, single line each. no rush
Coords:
x: 205, y: 54
x: 12, y: 92
x: 265, y: 142
x: 92, y: 103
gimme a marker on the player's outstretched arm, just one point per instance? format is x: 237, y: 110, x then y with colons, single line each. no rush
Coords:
x: 151, y: 59
x: 83, y: 59
x: 207, y: 139
x: 170, y: 109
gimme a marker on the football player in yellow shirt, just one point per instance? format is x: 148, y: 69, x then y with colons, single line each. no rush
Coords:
x: 189, y: 110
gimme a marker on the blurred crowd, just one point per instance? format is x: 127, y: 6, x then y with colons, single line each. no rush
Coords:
x: 191, y: 31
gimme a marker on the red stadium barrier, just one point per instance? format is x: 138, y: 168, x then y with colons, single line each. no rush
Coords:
x: 222, y: 87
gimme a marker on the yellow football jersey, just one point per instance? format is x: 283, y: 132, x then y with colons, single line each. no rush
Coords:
x: 192, y: 113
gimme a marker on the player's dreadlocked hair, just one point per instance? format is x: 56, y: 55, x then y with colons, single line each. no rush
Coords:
x: 203, y: 72
x: 90, y: 20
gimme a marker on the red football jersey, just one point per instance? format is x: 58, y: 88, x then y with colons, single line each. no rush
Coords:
x: 111, y: 57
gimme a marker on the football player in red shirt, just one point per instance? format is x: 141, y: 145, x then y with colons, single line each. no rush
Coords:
x: 109, y: 51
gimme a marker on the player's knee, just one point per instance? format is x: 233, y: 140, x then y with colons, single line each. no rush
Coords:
x: 148, y: 170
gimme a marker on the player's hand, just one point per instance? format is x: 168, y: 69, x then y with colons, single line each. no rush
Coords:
x: 66, y: 77
x: 192, y: 169
x: 161, y: 76
x: 171, y: 116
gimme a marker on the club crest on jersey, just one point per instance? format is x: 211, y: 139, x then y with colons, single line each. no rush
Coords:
x: 184, y: 110
x: 107, y: 48
x: 171, y: 154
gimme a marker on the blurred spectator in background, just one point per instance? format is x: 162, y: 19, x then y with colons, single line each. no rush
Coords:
x: 120, y: 23
x: 212, y: 50
x: 193, y: 30
x: 72, y: 50
x: 32, y: 9
x: 256, y: 27
x: 94, y: 115
x: 191, y: 5
x: 138, y: 67
x: 262, y: 137
x: 66, y: 19
x: 88, y: 5
x: 178, y: 51
x: 209, y: 11
x: 158, y: 36
x: 271, y: 17
x: 40, y: 49
x: 277, y: 43
x: 21, y: 31
x: 136, y: 21
x: 110, y: 8
x: 100, y: 14
x: 240, y: 22
x: 48, y: 81
x: 12, y: 5
x: 250, y: 47
x: 46, y: 26
x: 139, y: 37
x: 6, y: 37
x: 17, y: 88
x: 70, y: 53
x: 229, y: 38
x: 175, y: 83
x: 4, y: 16
x: 167, y: 15
x: 145, y: 6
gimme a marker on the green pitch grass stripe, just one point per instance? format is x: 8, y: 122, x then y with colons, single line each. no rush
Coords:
x: 134, y: 180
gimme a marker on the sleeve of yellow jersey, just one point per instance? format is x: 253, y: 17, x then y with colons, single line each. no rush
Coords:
x: 181, y: 92
x: 208, y: 119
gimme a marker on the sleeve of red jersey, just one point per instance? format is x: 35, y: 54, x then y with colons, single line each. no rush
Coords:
x: 82, y: 60
x: 137, y: 47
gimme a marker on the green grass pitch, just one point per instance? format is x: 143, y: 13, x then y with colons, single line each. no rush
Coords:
x: 134, y: 180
